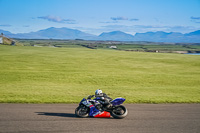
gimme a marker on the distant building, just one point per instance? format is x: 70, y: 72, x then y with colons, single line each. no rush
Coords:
x: 113, y: 47
x: 181, y: 52
x: 1, y: 39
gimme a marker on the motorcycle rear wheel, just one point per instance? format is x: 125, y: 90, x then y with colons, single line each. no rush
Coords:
x: 119, y: 112
x: 82, y: 111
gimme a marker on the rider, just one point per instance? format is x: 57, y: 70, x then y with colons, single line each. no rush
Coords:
x: 103, y: 98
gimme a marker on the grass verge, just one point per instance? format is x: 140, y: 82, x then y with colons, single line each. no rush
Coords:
x: 65, y: 75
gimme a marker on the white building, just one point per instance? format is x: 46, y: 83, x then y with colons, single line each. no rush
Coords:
x: 113, y: 47
x: 1, y: 40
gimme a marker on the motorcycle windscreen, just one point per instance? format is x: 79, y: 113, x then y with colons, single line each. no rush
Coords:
x: 103, y: 114
x: 118, y: 101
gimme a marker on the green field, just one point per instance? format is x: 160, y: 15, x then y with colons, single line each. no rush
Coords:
x: 65, y: 75
x: 125, y: 46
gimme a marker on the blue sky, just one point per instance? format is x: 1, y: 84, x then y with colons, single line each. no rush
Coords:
x: 97, y: 16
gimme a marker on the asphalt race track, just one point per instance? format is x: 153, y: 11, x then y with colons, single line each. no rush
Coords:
x: 142, y: 118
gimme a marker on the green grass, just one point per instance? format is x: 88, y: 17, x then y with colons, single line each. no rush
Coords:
x: 165, y: 47
x: 130, y: 46
x: 66, y: 75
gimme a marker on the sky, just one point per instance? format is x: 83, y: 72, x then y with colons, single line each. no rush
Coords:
x: 97, y: 16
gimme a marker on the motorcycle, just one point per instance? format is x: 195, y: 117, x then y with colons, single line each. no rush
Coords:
x: 93, y: 108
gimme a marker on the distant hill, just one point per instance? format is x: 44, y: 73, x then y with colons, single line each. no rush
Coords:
x: 193, y: 36
x: 55, y: 33
x: 66, y: 33
x: 160, y: 36
x: 194, y: 33
x: 116, y: 35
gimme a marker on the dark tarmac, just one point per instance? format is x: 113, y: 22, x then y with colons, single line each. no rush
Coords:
x: 57, y: 118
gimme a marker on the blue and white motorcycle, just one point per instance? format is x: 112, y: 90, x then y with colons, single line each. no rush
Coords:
x: 93, y: 108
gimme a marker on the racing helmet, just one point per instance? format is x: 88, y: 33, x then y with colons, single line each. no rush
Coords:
x: 98, y: 92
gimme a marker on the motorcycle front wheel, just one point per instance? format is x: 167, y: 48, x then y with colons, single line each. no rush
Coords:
x: 119, y: 112
x: 82, y: 111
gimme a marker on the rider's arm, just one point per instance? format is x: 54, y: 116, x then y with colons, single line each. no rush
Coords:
x: 91, y: 96
x: 107, y: 97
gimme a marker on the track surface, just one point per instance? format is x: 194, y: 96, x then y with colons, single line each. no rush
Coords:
x: 142, y: 118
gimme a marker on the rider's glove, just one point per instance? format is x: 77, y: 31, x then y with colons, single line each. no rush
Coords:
x: 91, y: 96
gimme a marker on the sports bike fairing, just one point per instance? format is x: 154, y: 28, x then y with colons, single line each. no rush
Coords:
x: 94, y: 112
x: 118, y: 101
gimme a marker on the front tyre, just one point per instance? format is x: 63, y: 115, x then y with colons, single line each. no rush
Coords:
x: 119, y: 112
x: 82, y: 111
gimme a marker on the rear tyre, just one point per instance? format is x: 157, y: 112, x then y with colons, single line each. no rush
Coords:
x: 119, y: 112
x: 82, y: 111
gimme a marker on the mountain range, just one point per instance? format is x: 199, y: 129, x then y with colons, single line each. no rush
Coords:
x: 66, y: 33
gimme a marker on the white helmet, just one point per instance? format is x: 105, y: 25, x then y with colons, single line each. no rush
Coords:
x: 97, y: 92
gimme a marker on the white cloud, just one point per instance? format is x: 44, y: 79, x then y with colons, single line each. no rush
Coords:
x: 123, y: 18
x: 134, y: 19
x: 57, y: 19
x: 195, y: 19
x: 119, y: 18
x: 5, y: 25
